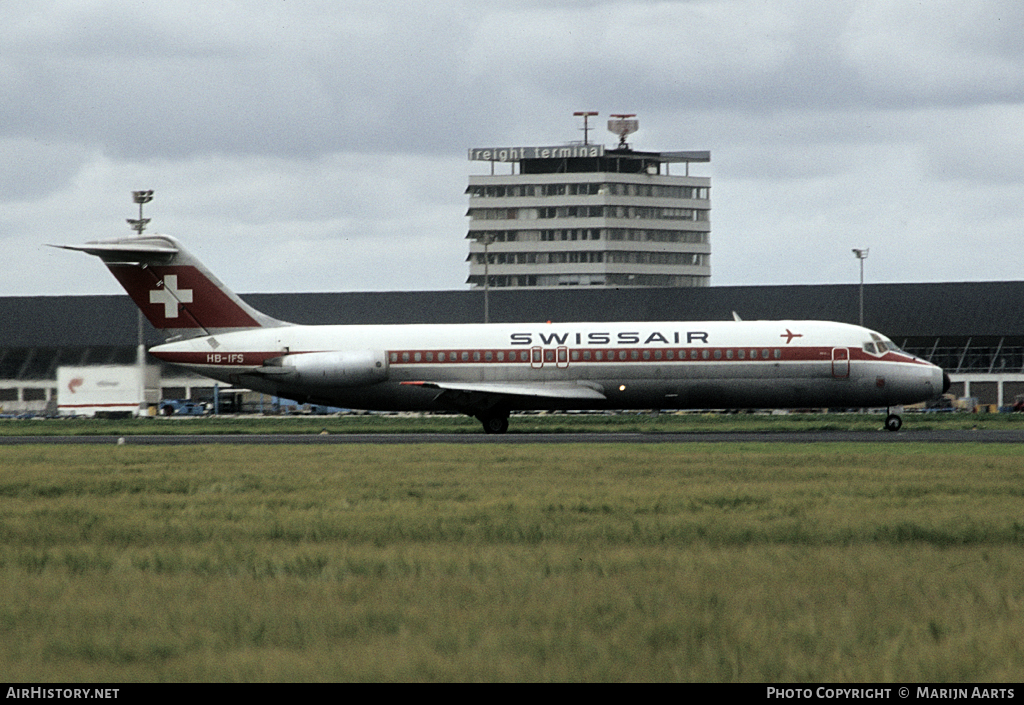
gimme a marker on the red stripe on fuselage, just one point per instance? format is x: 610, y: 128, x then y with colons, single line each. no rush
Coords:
x: 618, y: 355
x: 227, y: 359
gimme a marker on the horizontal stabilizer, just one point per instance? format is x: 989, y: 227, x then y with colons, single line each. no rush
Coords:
x: 141, y: 252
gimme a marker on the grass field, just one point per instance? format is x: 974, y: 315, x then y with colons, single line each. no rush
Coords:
x: 696, y: 562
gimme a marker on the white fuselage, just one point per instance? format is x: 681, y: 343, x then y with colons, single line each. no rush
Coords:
x: 707, y: 364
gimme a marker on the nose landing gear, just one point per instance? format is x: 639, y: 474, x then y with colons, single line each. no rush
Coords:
x: 893, y: 422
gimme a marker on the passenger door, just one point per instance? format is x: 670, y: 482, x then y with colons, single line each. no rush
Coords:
x: 840, y: 363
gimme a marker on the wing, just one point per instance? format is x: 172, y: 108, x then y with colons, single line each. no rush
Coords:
x: 548, y: 390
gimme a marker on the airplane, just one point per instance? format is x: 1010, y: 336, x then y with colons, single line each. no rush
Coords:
x: 489, y: 370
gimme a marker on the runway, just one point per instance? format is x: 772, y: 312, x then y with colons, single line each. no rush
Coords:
x: 902, y: 437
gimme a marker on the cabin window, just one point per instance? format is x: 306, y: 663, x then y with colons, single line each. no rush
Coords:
x: 465, y: 357
x: 405, y: 357
x: 394, y: 357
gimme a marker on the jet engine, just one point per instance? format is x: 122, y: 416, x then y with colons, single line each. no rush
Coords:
x: 341, y: 368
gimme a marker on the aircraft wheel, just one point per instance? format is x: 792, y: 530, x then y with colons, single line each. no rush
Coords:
x: 893, y: 422
x: 494, y: 423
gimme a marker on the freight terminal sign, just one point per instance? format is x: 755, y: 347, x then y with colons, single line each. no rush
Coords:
x: 514, y: 154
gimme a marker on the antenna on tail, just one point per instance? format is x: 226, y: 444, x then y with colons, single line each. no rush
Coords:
x: 140, y: 197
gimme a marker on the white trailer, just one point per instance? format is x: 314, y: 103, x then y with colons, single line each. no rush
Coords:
x: 106, y: 390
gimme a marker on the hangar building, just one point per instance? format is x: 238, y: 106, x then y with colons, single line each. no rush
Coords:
x: 974, y: 330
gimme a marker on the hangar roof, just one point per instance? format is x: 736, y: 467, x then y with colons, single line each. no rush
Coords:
x: 900, y: 311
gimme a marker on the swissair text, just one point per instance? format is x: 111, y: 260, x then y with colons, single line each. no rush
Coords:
x: 602, y: 338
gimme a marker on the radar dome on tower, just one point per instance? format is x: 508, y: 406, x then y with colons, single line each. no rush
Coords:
x: 623, y: 125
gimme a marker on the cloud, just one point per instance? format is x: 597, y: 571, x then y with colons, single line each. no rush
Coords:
x: 32, y: 169
x: 942, y: 53
x: 319, y: 144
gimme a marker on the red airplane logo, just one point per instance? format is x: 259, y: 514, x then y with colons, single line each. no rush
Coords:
x: 789, y: 335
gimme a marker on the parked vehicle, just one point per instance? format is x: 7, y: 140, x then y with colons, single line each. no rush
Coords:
x: 183, y: 407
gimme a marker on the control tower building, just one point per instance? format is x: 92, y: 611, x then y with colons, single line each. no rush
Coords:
x: 583, y: 215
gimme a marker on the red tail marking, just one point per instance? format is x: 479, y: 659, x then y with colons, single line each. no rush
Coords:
x: 180, y: 297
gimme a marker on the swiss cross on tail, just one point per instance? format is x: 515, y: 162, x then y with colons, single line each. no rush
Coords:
x: 168, y: 294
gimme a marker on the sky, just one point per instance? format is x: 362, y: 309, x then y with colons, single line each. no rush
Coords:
x: 315, y: 145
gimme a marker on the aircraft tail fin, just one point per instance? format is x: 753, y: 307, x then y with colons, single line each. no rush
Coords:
x: 174, y: 290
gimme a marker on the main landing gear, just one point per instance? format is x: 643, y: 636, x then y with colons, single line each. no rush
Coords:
x: 493, y: 421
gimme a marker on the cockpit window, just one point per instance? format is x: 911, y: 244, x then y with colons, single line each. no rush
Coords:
x: 880, y: 345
